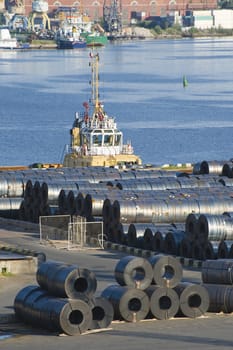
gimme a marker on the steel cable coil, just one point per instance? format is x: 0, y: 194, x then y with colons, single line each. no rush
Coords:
x: 102, y: 312
x: 167, y: 270
x: 134, y: 272
x: 194, y: 299
x: 218, y: 271
x: 164, y: 302
x: 129, y: 304
x: 66, y: 280
x: 221, y: 297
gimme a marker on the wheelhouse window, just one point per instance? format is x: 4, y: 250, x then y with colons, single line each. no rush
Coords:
x: 117, y: 139
x: 97, y: 139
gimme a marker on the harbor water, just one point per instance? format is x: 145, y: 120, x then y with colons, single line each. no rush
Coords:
x: 141, y: 85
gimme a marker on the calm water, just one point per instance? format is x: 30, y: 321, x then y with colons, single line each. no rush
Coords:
x: 141, y: 85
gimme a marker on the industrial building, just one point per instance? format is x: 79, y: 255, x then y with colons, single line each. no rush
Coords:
x: 128, y: 8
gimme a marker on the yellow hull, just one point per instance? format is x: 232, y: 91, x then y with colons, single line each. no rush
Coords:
x: 74, y: 160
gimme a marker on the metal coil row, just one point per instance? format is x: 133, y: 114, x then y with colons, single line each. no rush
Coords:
x: 204, y: 227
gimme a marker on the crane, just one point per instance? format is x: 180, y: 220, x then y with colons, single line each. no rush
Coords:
x: 113, y: 17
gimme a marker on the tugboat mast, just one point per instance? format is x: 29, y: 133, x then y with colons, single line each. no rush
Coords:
x: 95, y: 81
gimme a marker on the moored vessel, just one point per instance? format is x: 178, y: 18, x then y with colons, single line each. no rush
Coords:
x: 6, y: 41
x: 95, y: 137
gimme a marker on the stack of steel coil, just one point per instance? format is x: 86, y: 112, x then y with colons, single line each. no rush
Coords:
x: 153, y: 289
x: 64, y: 301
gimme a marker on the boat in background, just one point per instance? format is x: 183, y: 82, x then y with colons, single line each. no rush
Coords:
x: 69, y: 38
x: 95, y: 37
x: 6, y: 41
x: 95, y: 138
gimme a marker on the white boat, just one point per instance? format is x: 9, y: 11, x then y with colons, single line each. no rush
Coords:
x: 6, y: 41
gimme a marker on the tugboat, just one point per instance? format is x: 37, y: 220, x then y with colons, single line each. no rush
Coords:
x: 95, y: 138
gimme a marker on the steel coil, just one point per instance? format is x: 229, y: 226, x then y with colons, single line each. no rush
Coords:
x: 20, y: 299
x: 129, y: 304
x: 194, y: 299
x: 167, y: 270
x: 133, y: 272
x: 172, y: 241
x: 214, y: 228
x: 10, y: 207
x: 197, y: 251
x: 69, y: 316
x: 191, y: 226
x: 210, y: 250
x: 185, y: 248
x: 158, y: 241
x: 230, y: 253
x: 164, y: 302
x: 221, y: 297
x: 217, y: 271
x: 227, y: 169
x: 212, y: 167
x: 102, y: 312
x: 224, y: 249
x: 66, y: 280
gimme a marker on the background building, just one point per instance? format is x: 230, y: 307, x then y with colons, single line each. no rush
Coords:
x: 129, y: 8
